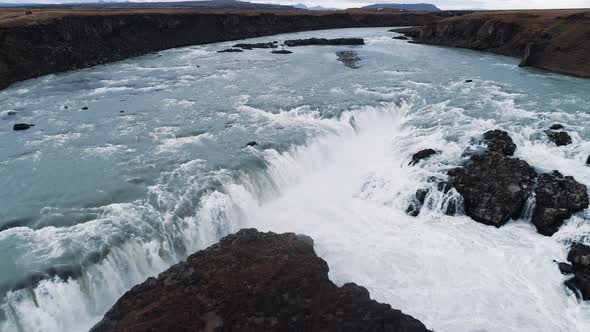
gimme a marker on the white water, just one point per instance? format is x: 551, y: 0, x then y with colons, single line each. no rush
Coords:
x: 343, y: 179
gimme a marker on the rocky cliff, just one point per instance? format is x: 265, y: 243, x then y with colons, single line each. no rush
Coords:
x: 557, y: 40
x: 252, y: 281
x: 45, y: 42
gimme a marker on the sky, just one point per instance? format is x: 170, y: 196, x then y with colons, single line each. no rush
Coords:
x: 443, y: 4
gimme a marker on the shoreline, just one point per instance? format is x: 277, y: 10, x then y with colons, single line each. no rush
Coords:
x: 52, y: 41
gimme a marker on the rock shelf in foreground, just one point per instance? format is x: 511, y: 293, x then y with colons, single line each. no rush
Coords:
x: 252, y: 281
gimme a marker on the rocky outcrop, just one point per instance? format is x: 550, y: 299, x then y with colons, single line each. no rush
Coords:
x: 579, y: 256
x: 500, y: 142
x: 22, y: 126
x: 560, y: 138
x: 555, y: 40
x: 349, y: 58
x: 557, y: 198
x: 53, y: 41
x: 494, y: 187
x: 255, y: 45
x: 252, y: 281
x: 230, y: 50
x: 324, y: 41
x: 421, y: 155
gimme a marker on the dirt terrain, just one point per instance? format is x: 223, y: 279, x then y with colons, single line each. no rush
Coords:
x: 555, y: 40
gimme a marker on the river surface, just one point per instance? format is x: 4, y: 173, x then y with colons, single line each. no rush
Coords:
x: 93, y: 201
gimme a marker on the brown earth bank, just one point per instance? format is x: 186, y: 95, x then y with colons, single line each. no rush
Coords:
x: 252, y: 281
x: 38, y: 42
x: 554, y: 40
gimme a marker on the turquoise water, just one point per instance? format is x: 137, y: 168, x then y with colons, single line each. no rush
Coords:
x: 93, y: 201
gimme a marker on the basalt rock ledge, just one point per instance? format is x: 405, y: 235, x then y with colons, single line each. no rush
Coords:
x: 252, y: 281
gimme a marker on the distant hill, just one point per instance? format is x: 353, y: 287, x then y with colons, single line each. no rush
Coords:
x: 302, y: 6
x: 405, y: 6
x: 209, y: 4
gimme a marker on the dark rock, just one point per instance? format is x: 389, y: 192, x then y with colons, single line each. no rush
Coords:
x: 349, y: 58
x: 499, y: 141
x: 121, y: 111
x: 252, y: 143
x: 468, y: 81
x: 588, y: 160
x: 65, y: 107
x: 230, y: 50
x: 401, y: 38
x: 417, y: 202
x: 85, y: 108
x: 565, y: 268
x: 282, y: 52
x: 494, y: 187
x: 560, y: 138
x: 11, y: 113
x: 422, y: 154
x: 323, y: 41
x: 255, y: 45
x: 28, y: 12
x: 557, y: 198
x: 556, y: 126
x: 22, y: 126
x: 579, y: 256
x: 252, y: 281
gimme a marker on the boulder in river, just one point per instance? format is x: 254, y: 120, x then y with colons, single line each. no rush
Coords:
x: 281, y: 52
x: 401, y: 38
x: 560, y: 138
x: 323, y: 41
x: 557, y: 198
x: 349, y: 58
x: 252, y: 143
x: 494, y: 187
x: 421, y: 155
x: 252, y: 281
x: 230, y: 50
x: 579, y: 256
x: 22, y: 126
x: 255, y: 45
x: 556, y: 126
x: 499, y: 141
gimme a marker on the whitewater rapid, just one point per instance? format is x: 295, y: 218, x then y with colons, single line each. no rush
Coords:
x: 171, y: 175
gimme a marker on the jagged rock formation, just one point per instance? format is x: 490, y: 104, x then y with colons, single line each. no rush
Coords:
x: 495, y: 188
x: 579, y: 256
x: 252, y: 281
x: 349, y: 58
x: 324, y: 41
x: 52, y: 41
x: 557, y: 198
x: 555, y: 40
x: 421, y: 155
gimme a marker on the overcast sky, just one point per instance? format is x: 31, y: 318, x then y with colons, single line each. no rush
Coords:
x: 443, y: 4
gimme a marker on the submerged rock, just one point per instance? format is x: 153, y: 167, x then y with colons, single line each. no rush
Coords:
x: 421, y: 155
x: 401, y: 38
x: 281, y: 52
x: 557, y: 198
x: 494, y: 187
x: 230, y: 50
x: 349, y: 58
x: 468, y: 81
x: 85, y: 107
x: 255, y: 45
x: 499, y: 141
x: 252, y: 143
x: 252, y: 281
x: 22, y: 126
x: 323, y: 41
x: 556, y: 126
x: 579, y: 256
x: 560, y: 138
